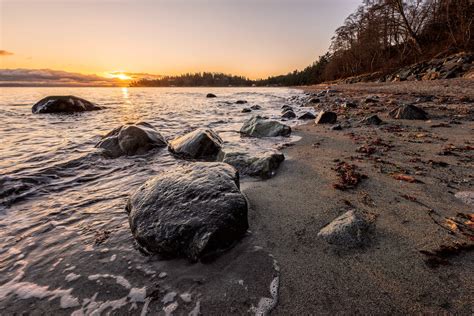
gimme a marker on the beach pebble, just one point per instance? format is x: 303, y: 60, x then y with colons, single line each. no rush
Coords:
x: 307, y: 116
x: 371, y: 120
x: 326, y: 117
x: 408, y: 112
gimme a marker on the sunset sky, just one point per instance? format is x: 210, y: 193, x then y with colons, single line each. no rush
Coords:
x: 254, y: 38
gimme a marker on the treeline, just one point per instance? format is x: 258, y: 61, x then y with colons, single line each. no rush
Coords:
x: 205, y: 79
x: 383, y: 35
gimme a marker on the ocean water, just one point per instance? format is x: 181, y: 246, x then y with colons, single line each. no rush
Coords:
x: 65, y: 244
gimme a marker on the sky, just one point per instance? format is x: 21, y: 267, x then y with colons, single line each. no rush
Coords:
x: 105, y: 41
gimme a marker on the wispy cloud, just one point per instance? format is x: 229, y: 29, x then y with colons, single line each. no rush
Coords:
x: 56, y: 78
x: 5, y: 53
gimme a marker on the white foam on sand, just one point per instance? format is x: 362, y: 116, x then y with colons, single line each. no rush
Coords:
x: 118, y: 278
x: 72, y: 277
x: 26, y: 290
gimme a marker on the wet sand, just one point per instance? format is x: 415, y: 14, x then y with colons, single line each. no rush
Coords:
x: 395, y: 272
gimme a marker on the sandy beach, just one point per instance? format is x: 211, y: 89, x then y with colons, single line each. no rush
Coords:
x: 419, y: 258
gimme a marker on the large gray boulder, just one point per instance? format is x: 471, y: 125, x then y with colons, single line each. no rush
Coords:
x: 63, y: 104
x: 408, y: 112
x: 351, y: 229
x: 262, y: 165
x: 190, y: 211
x: 198, y: 144
x: 131, y: 139
x: 257, y: 126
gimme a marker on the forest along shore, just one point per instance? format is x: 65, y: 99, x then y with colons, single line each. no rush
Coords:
x: 402, y: 189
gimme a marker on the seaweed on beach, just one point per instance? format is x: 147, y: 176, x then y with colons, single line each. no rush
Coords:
x: 348, y: 177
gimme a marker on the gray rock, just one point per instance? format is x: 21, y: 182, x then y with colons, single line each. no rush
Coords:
x: 466, y: 197
x: 191, y: 211
x: 326, y: 117
x: 211, y: 95
x: 288, y: 114
x: 307, y: 116
x: 349, y: 105
x: 285, y: 108
x: 63, y: 104
x: 131, y: 139
x: 351, y: 229
x: 261, y: 165
x: 371, y: 120
x: 257, y: 126
x: 408, y: 112
x: 198, y: 144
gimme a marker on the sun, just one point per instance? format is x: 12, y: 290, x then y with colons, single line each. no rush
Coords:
x: 119, y: 75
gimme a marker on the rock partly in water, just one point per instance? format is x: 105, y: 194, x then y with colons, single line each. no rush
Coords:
x: 64, y: 104
x: 408, y: 112
x: 257, y: 126
x: 326, y: 117
x: 211, y: 95
x: 288, y: 114
x: 240, y: 102
x: 307, y: 116
x: 314, y: 100
x: 261, y: 165
x: 246, y: 110
x: 351, y: 229
x: 285, y: 108
x: 198, y: 144
x: 131, y: 139
x: 256, y: 107
x: 371, y: 120
x: 192, y: 211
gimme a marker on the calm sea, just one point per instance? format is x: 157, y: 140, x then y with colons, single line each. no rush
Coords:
x: 59, y: 198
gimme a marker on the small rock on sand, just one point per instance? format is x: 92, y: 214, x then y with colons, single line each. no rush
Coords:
x: 351, y: 229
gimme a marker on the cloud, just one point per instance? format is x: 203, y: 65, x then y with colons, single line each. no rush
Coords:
x: 53, y: 78
x: 5, y: 53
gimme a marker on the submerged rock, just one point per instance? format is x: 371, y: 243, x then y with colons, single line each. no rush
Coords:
x: 408, y: 112
x: 261, y: 165
x: 371, y: 120
x: 240, y: 102
x: 131, y: 139
x: 351, y: 229
x: 198, y: 144
x: 315, y: 100
x: 257, y: 126
x: 285, y: 108
x: 191, y: 211
x: 307, y: 116
x: 288, y: 114
x: 256, y: 107
x: 326, y: 117
x: 211, y: 95
x: 246, y: 110
x: 64, y: 104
